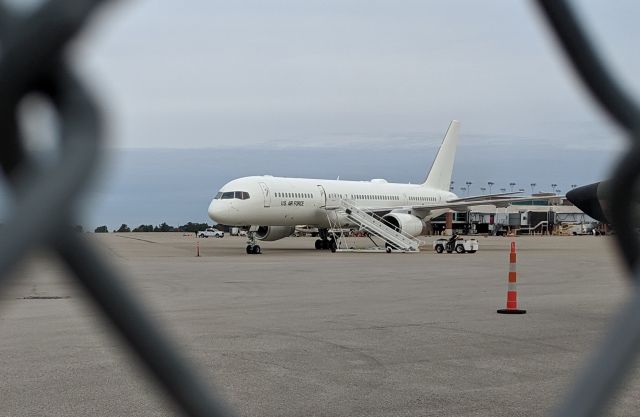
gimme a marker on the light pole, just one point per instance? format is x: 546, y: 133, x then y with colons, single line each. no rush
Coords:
x: 451, y: 186
x: 511, y: 185
x: 504, y: 190
x: 483, y: 189
x: 468, y: 186
x: 533, y: 186
x: 463, y: 189
x: 490, y: 184
x: 573, y: 186
x: 553, y: 187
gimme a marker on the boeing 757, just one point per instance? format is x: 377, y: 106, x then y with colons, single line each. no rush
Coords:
x: 271, y: 207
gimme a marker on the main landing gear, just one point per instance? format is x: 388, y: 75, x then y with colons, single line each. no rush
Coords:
x: 325, y: 242
x: 252, y: 246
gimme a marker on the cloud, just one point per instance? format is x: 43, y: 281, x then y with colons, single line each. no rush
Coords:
x: 251, y: 72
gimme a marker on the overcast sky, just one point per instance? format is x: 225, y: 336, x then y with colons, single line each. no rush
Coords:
x: 220, y: 74
x: 254, y: 77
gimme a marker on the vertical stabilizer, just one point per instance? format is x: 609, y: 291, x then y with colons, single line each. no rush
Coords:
x: 442, y: 168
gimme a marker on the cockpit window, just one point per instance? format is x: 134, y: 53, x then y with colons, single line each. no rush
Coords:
x: 228, y: 195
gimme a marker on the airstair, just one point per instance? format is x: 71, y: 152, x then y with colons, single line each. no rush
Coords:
x: 543, y: 226
x: 346, y: 212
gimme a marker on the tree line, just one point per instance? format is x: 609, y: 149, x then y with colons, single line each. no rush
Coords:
x: 164, y: 227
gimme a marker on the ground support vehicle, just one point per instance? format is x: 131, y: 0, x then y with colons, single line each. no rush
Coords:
x: 457, y: 244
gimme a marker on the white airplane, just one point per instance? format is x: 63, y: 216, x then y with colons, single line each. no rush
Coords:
x: 273, y: 206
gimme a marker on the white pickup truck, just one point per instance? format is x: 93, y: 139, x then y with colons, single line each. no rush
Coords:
x: 456, y: 243
x: 210, y: 232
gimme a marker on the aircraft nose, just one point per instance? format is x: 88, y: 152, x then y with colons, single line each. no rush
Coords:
x: 586, y: 198
x: 214, y: 210
x: 221, y: 212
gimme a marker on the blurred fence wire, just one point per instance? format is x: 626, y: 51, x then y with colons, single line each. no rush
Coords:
x: 615, y: 356
x: 32, y: 61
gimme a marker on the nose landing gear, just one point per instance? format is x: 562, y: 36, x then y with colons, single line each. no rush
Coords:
x: 254, y: 249
x: 252, y: 246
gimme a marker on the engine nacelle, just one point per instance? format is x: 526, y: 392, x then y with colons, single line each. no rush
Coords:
x: 406, y: 223
x: 271, y: 233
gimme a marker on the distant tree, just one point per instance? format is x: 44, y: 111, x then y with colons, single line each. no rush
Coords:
x: 193, y: 227
x: 101, y: 229
x: 123, y: 229
x: 164, y: 227
x: 144, y: 228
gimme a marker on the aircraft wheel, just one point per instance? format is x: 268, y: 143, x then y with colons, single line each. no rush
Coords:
x: 333, y: 246
x: 439, y: 248
x: 388, y: 249
x: 460, y: 249
x: 325, y: 244
x: 249, y: 249
x: 472, y: 251
x: 318, y: 244
x: 257, y: 250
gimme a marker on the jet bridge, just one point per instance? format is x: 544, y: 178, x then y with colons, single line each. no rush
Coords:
x: 372, y: 224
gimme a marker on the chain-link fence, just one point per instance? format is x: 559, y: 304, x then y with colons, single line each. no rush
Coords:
x: 32, y: 61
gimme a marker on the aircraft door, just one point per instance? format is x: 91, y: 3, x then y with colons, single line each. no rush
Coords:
x: 323, y: 196
x: 266, y: 193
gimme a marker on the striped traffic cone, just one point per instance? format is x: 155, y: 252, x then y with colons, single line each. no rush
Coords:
x: 512, y: 291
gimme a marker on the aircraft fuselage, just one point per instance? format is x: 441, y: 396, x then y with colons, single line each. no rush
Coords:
x: 267, y: 200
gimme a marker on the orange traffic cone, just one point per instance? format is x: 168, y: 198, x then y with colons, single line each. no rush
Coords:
x: 512, y: 291
x: 197, y: 248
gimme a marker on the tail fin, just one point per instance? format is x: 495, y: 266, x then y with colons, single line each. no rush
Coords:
x: 439, y: 176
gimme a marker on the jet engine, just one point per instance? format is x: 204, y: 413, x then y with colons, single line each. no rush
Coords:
x: 406, y: 223
x: 271, y: 233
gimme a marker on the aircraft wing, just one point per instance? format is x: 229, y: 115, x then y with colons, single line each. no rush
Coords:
x: 497, y: 200
x: 463, y: 203
x: 497, y: 196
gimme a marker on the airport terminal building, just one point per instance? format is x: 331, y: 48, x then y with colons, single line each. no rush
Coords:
x: 531, y: 217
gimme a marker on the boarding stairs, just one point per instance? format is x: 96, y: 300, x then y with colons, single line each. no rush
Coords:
x: 372, y: 224
x: 543, y: 226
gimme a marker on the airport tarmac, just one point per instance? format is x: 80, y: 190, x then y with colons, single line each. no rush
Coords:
x: 296, y: 331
